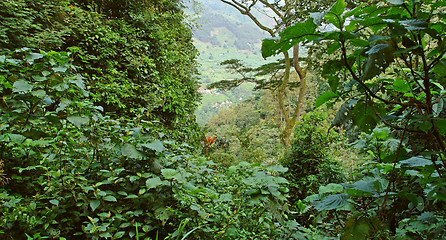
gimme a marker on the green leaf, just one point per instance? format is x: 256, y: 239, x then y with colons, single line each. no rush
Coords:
x: 168, y: 173
x: 153, y: 182
x: 94, y: 204
x: 401, y: 86
x: 131, y: 196
x: 277, y: 168
x: 396, y: 2
x: 441, y: 125
x: 331, y: 188
x: 17, y: 138
x: 110, y: 198
x: 39, y: 93
x: 60, y: 69
x: 381, y: 133
x: 290, y: 37
x: 130, y: 151
x: 33, y: 56
x: 334, y: 16
x: 377, y: 48
x: 324, y: 97
x: 156, y: 145
x: 331, y: 202
x: 163, y: 214
x: 364, y: 116
x: 427, y: 217
x: 119, y: 235
x: 299, y: 31
x: 78, y: 121
x: 104, y: 234
x: 22, y: 86
x: 54, y: 202
x: 361, y: 188
x: 416, y: 162
x: 338, y: 8
x: 318, y: 17
x: 356, y: 229
x: 414, y: 24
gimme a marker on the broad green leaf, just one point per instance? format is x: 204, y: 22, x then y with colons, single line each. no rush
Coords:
x: 338, y: 8
x: 441, y: 125
x: 427, y: 217
x: 324, y: 97
x: 22, y: 86
x: 318, y: 17
x: 94, y: 204
x: 39, y: 93
x: 414, y: 24
x: 60, y: 69
x: 156, y: 145
x: 119, y: 235
x: 110, y: 198
x: 163, y: 214
x: 396, y: 2
x: 274, y: 191
x: 424, y: 126
x: 331, y: 188
x: 277, y: 168
x: 299, y: 31
x: 269, y: 48
x: 39, y: 78
x: 361, y: 188
x: 377, y: 48
x: 401, y: 86
x: 290, y: 37
x: 331, y: 202
x: 54, y: 202
x: 104, y: 234
x: 416, y: 162
x: 104, y: 214
x: 131, y: 196
x: 364, y: 116
x: 79, y: 83
x: 169, y: 173
x: 33, y: 56
x: 356, y: 229
x: 153, y: 182
x: 334, y: 16
x: 381, y: 133
x: 438, y: 108
x: 17, y: 138
x: 78, y: 121
x: 130, y: 151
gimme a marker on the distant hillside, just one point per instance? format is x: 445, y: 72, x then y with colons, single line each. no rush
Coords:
x: 245, y: 35
x: 224, y: 34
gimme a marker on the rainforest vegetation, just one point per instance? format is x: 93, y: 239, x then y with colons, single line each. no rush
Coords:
x: 343, y: 137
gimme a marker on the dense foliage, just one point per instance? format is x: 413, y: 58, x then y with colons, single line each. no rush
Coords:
x: 95, y: 134
x: 96, y: 139
x: 389, y: 69
x: 311, y: 160
x: 137, y: 59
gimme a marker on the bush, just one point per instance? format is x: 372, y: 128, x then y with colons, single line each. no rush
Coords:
x: 311, y: 159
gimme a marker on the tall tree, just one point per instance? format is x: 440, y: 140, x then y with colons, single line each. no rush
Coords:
x: 272, y: 17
